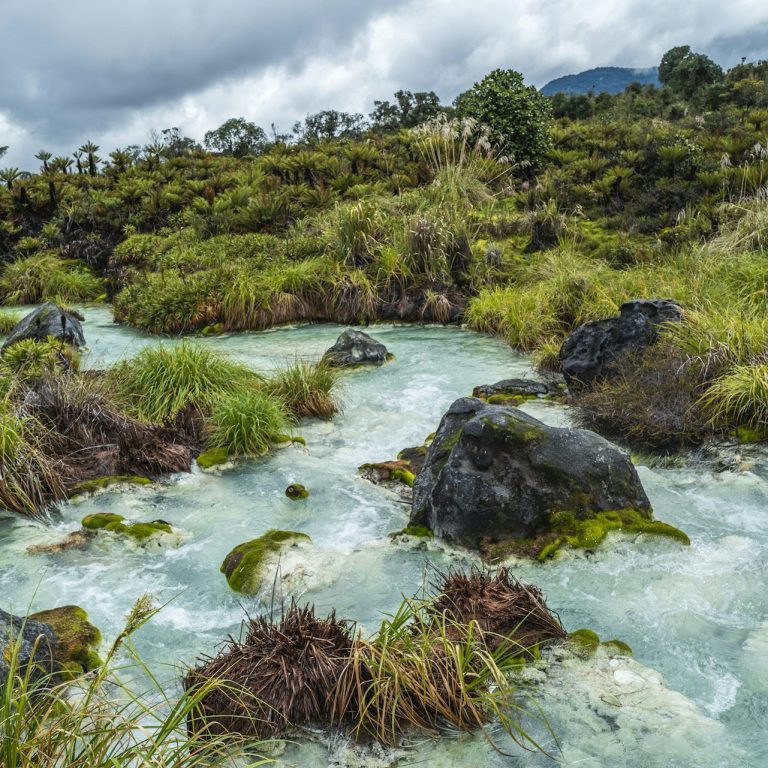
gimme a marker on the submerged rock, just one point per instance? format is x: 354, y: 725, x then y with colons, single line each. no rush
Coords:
x: 49, y: 320
x: 588, y: 353
x: 246, y: 565
x: 61, y: 641
x: 356, y: 348
x: 296, y: 492
x: 498, y: 480
x: 511, y: 391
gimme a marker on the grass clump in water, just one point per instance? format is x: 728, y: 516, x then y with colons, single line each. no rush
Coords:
x: 247, y: 423
x: 307, y: 388
x: 162, y: 381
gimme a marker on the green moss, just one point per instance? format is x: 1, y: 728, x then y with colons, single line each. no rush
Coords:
x: 502, y: 399
x: 418, y: 531
x: 77, y: 640
x: 619, y: 646
x: 296, y: 491
x: 213, y: 330
x: 89, y: 486
x: 105, y: 521
x: 213, y: 457
x: 244, y: 565
x: 404, y: 476
x: 588, y: 531
x: 746, y: 434
x: 585, y: 640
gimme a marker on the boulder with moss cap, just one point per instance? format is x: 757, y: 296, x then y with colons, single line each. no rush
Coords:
x: 118, y: 525
x: 499, y: 480
x: 245, y: 565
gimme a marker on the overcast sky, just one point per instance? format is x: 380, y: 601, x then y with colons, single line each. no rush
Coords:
x: 112, y: 70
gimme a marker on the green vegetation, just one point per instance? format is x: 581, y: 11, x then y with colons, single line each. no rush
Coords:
x: 8, y: 321
x: 213, y: 457
x: 247, y: 423
x: 31, y: 359
x: 296, y: 492
x: 96, y: 721
x: 306, y: 389
x: 105, y: 521
x: 520, y: 215
x: 244, y: 565
x: 99, y: 483
x: 162, y: 381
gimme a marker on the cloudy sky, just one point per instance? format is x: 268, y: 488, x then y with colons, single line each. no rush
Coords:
x: 112, y: 70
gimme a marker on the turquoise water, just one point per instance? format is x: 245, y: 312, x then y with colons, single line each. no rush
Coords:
x: 696, y: 617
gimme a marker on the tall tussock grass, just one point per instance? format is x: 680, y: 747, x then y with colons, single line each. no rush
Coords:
x: 99, y: 721
x: 308, y: 389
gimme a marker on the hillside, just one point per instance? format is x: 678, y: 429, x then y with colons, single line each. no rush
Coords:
x: 601, y: 80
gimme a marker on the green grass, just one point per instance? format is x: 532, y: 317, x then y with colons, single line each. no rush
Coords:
x: 99, y: 722
x: 738, y: 397
x: 30, y: 358
x: 247, y: 423
x: 163, y: 380
x: 306, y: 388
x: 46, y: 277
x: 8, y: 321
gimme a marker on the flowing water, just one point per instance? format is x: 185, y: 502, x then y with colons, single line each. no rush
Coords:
x: 696, y: 617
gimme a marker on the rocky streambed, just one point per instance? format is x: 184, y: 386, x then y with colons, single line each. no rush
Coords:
x: 694, y: 616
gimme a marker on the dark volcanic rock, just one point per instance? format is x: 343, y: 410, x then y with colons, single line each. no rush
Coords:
x: 494, y: 473
x: 356, y: 348
x: 48, y: 320
x: 588, y: 353
x: 523, y: 388
x: 11, y: 627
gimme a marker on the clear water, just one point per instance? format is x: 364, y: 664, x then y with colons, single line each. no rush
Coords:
x: 696, y: 617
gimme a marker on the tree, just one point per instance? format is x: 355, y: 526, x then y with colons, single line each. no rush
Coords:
x: 174, y: 143
x: 330, y: 124
x: 44, y: 156
x: 90, y: 149
x: 407, y: 111
x: 9, y: 175
x: 3, y: 150
x: 518, y: 114
x: 236, y: 137
x: 686, y: 72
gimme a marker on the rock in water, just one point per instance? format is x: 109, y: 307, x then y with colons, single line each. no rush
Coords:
x: 42, y: 650
x: 356, y: 348
x: 494, y: 473
x: 48, y: 320
x: 588, y: 353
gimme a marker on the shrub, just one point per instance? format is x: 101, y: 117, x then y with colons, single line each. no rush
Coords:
x: 8, y: 321
x: 30, y: 358
x: 247, y: 423
x: 162, y: 381
x: 46, y: 277
x: 739, y: 397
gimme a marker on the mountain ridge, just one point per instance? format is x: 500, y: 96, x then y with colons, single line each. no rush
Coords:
x: 601, y: 80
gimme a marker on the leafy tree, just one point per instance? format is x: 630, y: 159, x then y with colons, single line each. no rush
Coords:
x: 330, y: 124
x: 237, y: 137
x: 407, y: 111
x: 3, y: 150
x: 686, y: 72
x: 518, y: 114
x: 174, y: 143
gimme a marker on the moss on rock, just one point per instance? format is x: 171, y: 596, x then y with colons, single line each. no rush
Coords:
x: 105, y: 521
x: 90, y: 486
x: 296, y: 491
x: 587, y: 641
x: 77, y: 640
x: 417, y: 531
x: 244, y: 565
x: 214, y: 457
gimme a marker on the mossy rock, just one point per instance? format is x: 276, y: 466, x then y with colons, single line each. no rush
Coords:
x: 213, y: 330
x: 214, y: 457
x: 587, y: 641
x: 99, y: 483
x: 244, y: 565
x: 746, y: 434
x: 417, y: 531
x: 296, y: 492
x: 105, y: 521
x: 388, y: 472
x: 77, y: 640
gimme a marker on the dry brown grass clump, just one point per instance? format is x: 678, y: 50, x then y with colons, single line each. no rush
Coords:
x: 504, y: 608
x: 284, y: 673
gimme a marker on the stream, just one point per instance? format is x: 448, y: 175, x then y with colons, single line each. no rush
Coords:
x: 695, y: 617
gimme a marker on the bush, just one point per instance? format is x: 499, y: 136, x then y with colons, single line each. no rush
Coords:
x: 8, y: 321
x: 739, y: 397
x: 46, y: 277
x: 247, y: 423
x: 30, y: 358
x: 162, y: 381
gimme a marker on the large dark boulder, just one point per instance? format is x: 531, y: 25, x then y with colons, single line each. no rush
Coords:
x: 356, y: 348
x: 494, y: 473
x: 589, y: 352
x: 48, y: 320
x: 41, y: 650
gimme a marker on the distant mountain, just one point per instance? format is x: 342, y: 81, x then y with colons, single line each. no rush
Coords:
x: 601, y: 80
